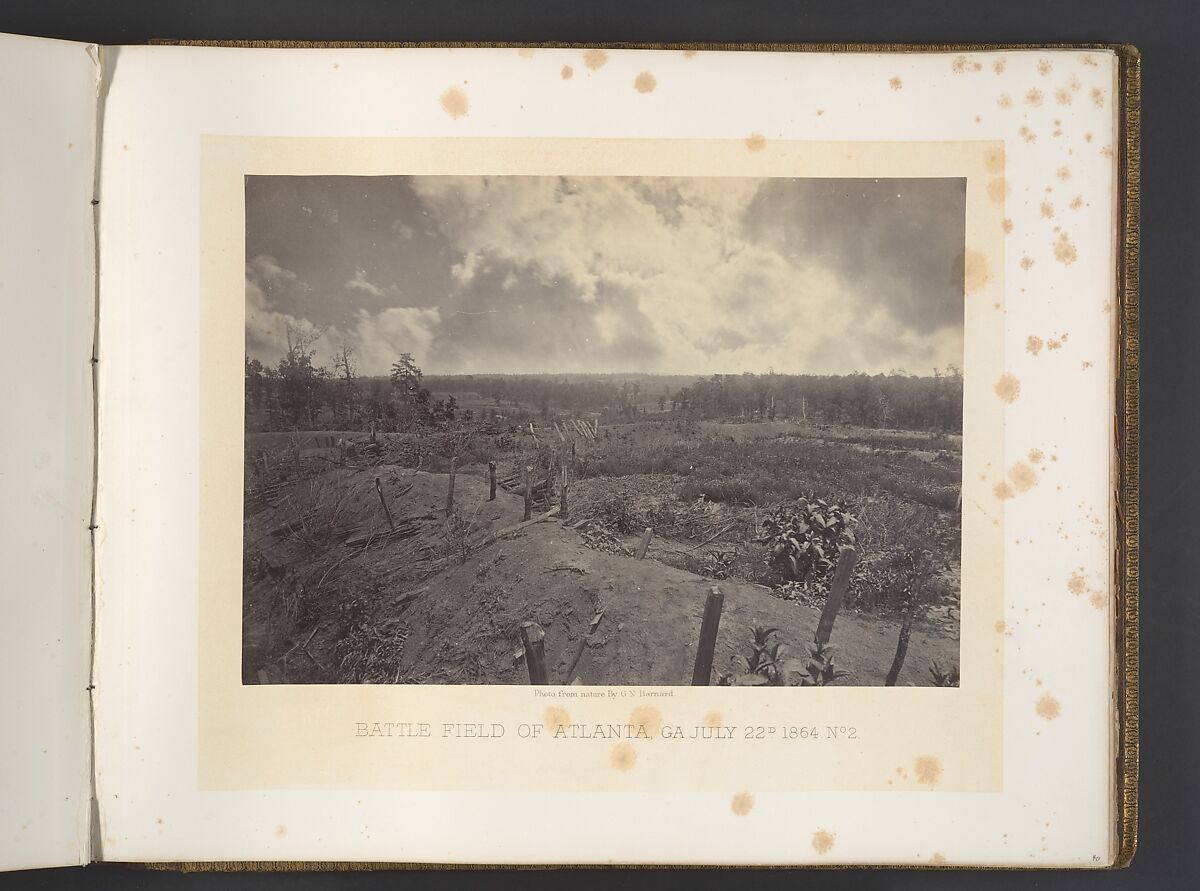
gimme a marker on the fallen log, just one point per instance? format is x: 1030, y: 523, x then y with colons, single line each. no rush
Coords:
x: 399, y: 532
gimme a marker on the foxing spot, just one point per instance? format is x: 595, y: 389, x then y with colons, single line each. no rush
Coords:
x: 1048, y: 707
x: 454, y: 102
x: 1008, y: 387
x: 623, y: 757
x: 928, y: 770
x: 742, y: 803
x: 822, y: 841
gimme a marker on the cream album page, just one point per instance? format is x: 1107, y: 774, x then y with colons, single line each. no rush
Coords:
x: 589, y: 456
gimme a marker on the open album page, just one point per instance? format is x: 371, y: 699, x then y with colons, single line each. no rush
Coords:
x: 520, y: 456
x: 48, y: 95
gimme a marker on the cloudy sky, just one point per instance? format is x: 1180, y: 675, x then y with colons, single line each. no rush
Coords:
x: 609, y: 274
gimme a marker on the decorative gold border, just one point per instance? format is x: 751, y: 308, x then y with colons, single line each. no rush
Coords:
x: 1127, y: 429
x: 1129, y: 174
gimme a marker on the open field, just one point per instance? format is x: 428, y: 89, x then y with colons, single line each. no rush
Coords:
x: 355, y: 572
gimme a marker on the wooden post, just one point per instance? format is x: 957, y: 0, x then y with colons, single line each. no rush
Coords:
x: 910, y: 613
x: 491, y: 481
x: 387, y: 513
x: 450, y: 492
x: 562, y: 497
x: 644, y: 544
x: 534, y: 639
x: 837, y: 591
x: 702, y: 673
x: 574, y: 461
x: 528, y: 492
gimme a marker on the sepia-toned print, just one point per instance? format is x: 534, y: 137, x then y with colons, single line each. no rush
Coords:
x: 603, y: 430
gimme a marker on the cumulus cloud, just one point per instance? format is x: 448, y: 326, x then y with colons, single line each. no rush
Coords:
x: 380, y: 338
x: 594, y: 274
x: 359, y: 282
x: 710, y: 296
x: 377, y: 338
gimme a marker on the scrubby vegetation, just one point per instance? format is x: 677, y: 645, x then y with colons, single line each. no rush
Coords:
x: 763, y: 479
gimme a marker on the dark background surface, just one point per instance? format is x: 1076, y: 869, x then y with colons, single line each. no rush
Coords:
x: 1165, y: 32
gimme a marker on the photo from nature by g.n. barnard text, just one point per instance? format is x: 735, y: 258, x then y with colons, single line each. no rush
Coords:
x: 603, y: 430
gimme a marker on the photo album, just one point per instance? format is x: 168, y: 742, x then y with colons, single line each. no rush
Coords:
x: 569, y: 455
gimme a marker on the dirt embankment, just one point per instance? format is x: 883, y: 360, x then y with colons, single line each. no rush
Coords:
x: 461, y: 624
x: 465, y: 624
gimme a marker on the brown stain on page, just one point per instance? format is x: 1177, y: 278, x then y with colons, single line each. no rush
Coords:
x: 756, y: 142
x: 928, y: 770
x: 713, y: 719
x: 556, y: 719
x: 454, y: 102
x: 1036, y: 456
x: 567, y: 72
x: 823, y: 841
x: 997, y: 189
x: 1064, y: 249
x: 993, y: 160
x: 525, y: 52
x: 281, y: 830
x: 623, y: 757
x: 1003, y: 490
x: 1033, y: 344
x: 594, y: 59
x: 1048, y: 707
x: 896, y: 83
x: 645, y: 82
x: 1008, y: 387
x: 742, y: 803
x: 648, y: 717
x: 1022, y: 476
x: 1078, y: 586
x: 976, y: 273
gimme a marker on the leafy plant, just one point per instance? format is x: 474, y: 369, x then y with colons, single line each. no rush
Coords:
x: 716, y: 564
x: 821, y: 670
x: 770, y: 663
x: 805, y: 539
x: 943, y: 678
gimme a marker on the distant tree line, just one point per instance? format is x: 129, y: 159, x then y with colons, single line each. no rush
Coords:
x: 895, y: 400
x: 299, y: 394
